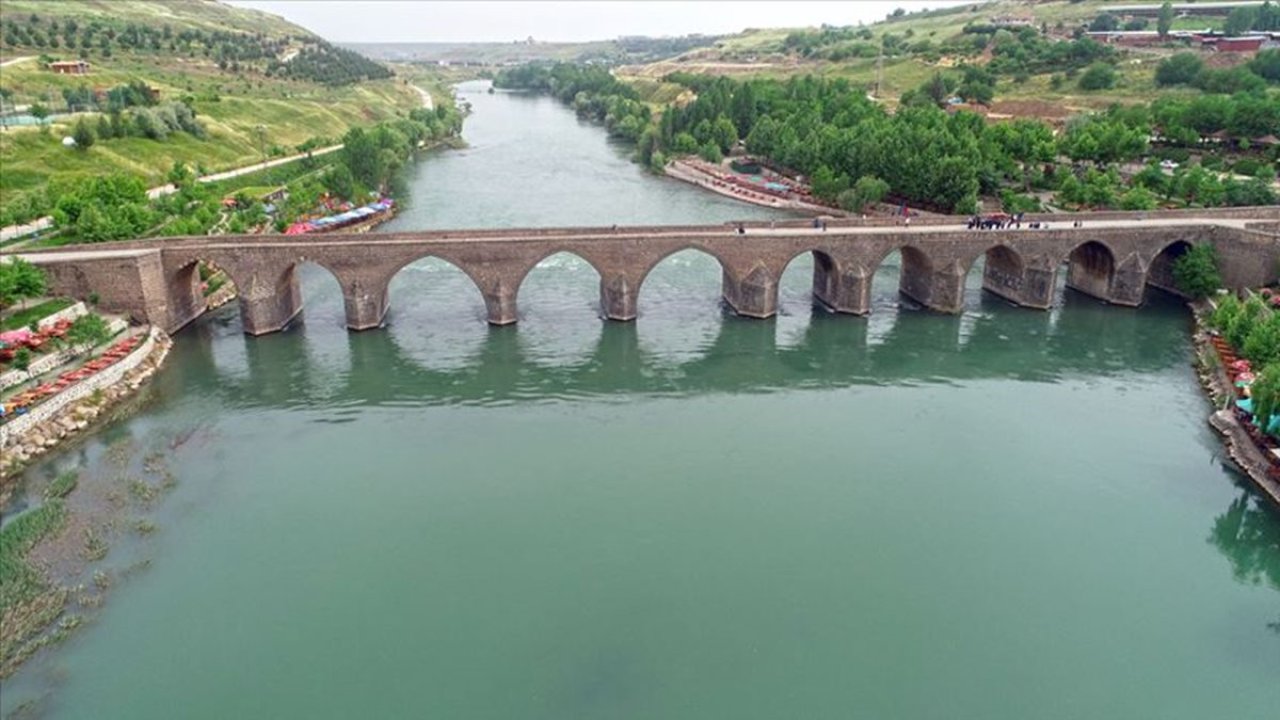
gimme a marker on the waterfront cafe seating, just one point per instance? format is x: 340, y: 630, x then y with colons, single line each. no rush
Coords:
x: 23, y: 401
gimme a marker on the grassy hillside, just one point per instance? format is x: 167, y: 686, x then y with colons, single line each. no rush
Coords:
x: 199, y: 14
x: 924, y: 38
x: 248, y: 101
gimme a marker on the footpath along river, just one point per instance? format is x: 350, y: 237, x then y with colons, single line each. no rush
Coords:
x: 1005, y: 514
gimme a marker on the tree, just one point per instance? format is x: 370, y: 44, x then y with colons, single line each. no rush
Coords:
x: 711, y: 153
x: 39, y: 112
x: 179, y: 175
x: 724, y: 133
x: 1240, y: 21
x: 826, y: 184
x: 1180, y: 69
x: 868, y: 190
x: 83, y: 135
x: 89, y: 330
x: 1104, y: 22
x: 1266, y: 65
x: 1099, y: 76
x: 19, y: 280
x: 22, y: 358
x: 1265, y: 392
x: 1195, y: 272
x: 104, y: 127
x: 1262, y: 346
x: 1165, y: 20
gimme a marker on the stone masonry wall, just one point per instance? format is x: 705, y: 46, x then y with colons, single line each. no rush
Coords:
x: 46, y: 410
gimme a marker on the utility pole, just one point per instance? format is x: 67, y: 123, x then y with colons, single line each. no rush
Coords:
x: 879, y: 68
x: 261, y: 130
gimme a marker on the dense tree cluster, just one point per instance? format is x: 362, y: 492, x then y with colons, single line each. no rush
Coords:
x: 315, y: 60
x: 827, y: 130
x: 592, y: 90
x: 1026, y: 51
x: 1187, y: 68
x: 330, y: 65
x: 102, y: 208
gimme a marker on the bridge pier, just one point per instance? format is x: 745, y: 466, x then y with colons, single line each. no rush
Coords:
x: 618, y: 297
x: 938, y: 290
x: 1128, y: 285
x: 365, y: 310
x: 501, y: 305
x: 755, y: 295
x: 268, y: 304
x: 843, y: 292
x: 1026, y: 287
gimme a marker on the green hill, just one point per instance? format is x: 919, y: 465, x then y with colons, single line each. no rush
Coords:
x: 179, y: 14
x: 902, y: 52
x: 256, y: 85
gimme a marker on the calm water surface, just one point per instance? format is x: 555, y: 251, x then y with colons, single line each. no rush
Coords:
x: 1004, y: 514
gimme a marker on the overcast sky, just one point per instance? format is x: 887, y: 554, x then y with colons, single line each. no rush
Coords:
x: 382, y: 21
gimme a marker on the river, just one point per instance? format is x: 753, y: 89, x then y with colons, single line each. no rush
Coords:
x: 1003, y: 514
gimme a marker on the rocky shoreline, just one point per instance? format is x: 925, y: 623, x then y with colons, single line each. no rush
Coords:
x: 1244, y: 453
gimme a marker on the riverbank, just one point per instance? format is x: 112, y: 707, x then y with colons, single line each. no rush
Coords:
x: 75, y: 409
x: 1246, y: 454
x: 691, y: 172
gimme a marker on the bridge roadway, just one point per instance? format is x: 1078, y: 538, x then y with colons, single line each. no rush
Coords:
x: 1112, y: 256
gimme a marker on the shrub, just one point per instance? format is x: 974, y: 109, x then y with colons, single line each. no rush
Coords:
x: 1196, y: 271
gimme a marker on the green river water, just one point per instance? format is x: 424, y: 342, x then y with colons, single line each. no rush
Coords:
x: 1003, y: 514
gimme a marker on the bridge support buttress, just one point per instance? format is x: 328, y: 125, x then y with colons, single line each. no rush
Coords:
x: 754, y: 296
x: 366, y: 308
x: 268, y: 304
x: 844, y: 292
x: 618, y: 298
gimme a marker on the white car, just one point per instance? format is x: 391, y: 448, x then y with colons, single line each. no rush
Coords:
x: 1169, y: 165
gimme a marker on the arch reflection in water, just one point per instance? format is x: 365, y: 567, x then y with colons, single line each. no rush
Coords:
x: 796, y: 304
x: 559, y: 308
x: 735, y: 356
x: 437, y: 315
x: 679, y: 308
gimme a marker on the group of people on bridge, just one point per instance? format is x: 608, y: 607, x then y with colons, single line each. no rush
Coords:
x: 1001, y: 221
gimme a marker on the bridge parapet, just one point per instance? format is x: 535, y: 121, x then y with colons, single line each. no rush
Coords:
x: 1111, y: 260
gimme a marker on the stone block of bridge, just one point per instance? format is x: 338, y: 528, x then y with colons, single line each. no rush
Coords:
x: 1026, y: 287
x: 500, y: 304
x: 270, y: 299
x: 844, y: 291
x: 618, y: 297
x: 938, y: 288
x: 365, y: 308
x: 754, y: 295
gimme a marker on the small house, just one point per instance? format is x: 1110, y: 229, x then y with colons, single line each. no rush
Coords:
x: 70, y: 67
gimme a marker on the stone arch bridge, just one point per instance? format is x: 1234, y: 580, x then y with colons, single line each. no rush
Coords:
x: 1112, y: 256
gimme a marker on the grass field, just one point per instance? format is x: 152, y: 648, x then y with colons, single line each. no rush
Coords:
x: 246, y: 115
x: 231, y: 109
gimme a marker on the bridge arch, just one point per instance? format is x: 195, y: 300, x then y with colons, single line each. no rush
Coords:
x: 442, y: 284
x: 1004, y: 271
x: 1160, y: 271
x: 1091, y: 268
x: 694, y: 250
x: 915, y: 271
x: 568, y: 254
x: 186, y: 286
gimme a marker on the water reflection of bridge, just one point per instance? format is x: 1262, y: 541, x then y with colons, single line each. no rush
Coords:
x: 320, y: 367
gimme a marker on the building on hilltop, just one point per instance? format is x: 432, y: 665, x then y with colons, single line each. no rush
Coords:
x: 70, y: 67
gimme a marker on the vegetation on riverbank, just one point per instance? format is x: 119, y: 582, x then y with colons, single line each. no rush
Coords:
x: 240, y: 86
x: 829, y: 131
